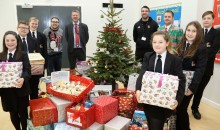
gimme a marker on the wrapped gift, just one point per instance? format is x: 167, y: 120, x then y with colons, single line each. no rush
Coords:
x: 61, y: 107
x: 96, y: 126
x: 106, y: 108
x: 45, y: 127
x: 44, y: 81
x: 189, y: 76
x: 217, y: 58
x: 118, y: 123
x: 100, y: 90
x: 64, y: 126
x: 9, y: 73
x: 43, y: 112
x: 134, y: 127
x: 82, y: 66
x: 127, y: 102
x: 36, y: 59
x: 132, y: 81
x: 139, y: 119
x: 82, y: 118
x: 159, y: 89
x: 87, y: 83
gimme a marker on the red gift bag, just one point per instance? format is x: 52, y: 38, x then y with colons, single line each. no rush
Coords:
x: 80, y: 118
x: 127, y: 102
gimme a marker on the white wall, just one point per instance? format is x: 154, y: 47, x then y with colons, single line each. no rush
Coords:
x: 90, y: 11
x: 191, y: 10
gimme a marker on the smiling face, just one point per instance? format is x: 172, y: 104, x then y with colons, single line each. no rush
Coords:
x: 207, y: 21
x: 191, y: 33
x: 168, y: 18
x: 33, y: 25
x: 75, y: 16
x: 10, y: 42
x: 145, y: 13
x: 23, y: 29
x: 159, y: 44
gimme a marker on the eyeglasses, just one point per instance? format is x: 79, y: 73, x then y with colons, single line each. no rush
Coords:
x: 24, y: 28
x: 55, y: 21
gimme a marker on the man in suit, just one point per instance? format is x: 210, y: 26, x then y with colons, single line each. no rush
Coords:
x: 77, y: 36
x: 54, y: 35
x: 142, y: 32
x: 175, y: 32
x: 29, y: 45
x: 212, y: 42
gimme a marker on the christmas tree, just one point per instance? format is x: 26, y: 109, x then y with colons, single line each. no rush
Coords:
x: 113, y: 59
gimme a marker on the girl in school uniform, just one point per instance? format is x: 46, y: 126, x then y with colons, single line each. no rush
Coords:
x: 194, y: 58
x: 16, y: 100
x: 172, y: 65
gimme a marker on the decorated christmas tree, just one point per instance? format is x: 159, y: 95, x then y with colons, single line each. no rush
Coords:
x: 113, y: 59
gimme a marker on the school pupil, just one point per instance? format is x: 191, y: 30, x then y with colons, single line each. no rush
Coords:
x: 16, y: 100
x: 194, y: 58
x: 170, y: 65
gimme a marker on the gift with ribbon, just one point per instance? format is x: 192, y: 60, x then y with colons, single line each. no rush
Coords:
x: 9, y: 73
x: 159, y: 89
x: 127, y: 102
x: 80, y: 116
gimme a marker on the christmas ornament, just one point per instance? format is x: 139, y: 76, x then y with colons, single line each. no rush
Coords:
x: 119, y: 41
x: 106, y: 66
x: 97, y: 49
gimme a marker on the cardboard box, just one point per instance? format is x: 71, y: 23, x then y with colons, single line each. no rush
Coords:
x: 61, y: 105
x: 96, y: 126
x: 36, y: 59
x: 118, y: 123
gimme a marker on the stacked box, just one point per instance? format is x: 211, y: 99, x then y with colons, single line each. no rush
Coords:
x: 96, y: 126
x: 45, y: 127
x: 9, y: 73
x: 61, y: 107
x: 36, y: 59
x: 118, y: 123
x: 106, y: 108
x: 43, y: 112
x: 64, y: 126
x: 159, y: 89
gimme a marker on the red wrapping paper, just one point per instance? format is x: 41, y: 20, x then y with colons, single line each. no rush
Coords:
x: 106, y: 108
x: 75, y: 99
x: 127, y: 102
x: 80, y: 118
x: 43, y: 112
x: 137, y: 128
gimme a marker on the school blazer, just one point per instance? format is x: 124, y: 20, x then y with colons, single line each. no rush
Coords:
x: 213, y: 37
x: 32, y: 44
x: 172, y: 66
x: 83, y: 33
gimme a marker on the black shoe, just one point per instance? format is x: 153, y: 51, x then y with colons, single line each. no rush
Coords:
x: 196, y: 114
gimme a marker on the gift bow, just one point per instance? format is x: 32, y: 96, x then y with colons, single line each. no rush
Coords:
x: 79, y: 113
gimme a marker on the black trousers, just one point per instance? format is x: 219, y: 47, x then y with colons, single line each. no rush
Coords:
x: 155, y: 123
x: 139, y: 53
x: 182, y: 122
x: 20, y: 117
x: 34, y: 81
x: 77, y: 55
x: 198, y: 95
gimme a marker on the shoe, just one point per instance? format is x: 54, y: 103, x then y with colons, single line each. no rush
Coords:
x: 196, y: 114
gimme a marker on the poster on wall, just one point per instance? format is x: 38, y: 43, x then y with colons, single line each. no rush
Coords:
x: 157, y: 13
x: 216, y: 11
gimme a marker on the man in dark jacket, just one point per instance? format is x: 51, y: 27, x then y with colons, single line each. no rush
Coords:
x: 142, y: 32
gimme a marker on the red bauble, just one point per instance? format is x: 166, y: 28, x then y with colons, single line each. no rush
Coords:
x: 119, y: 41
